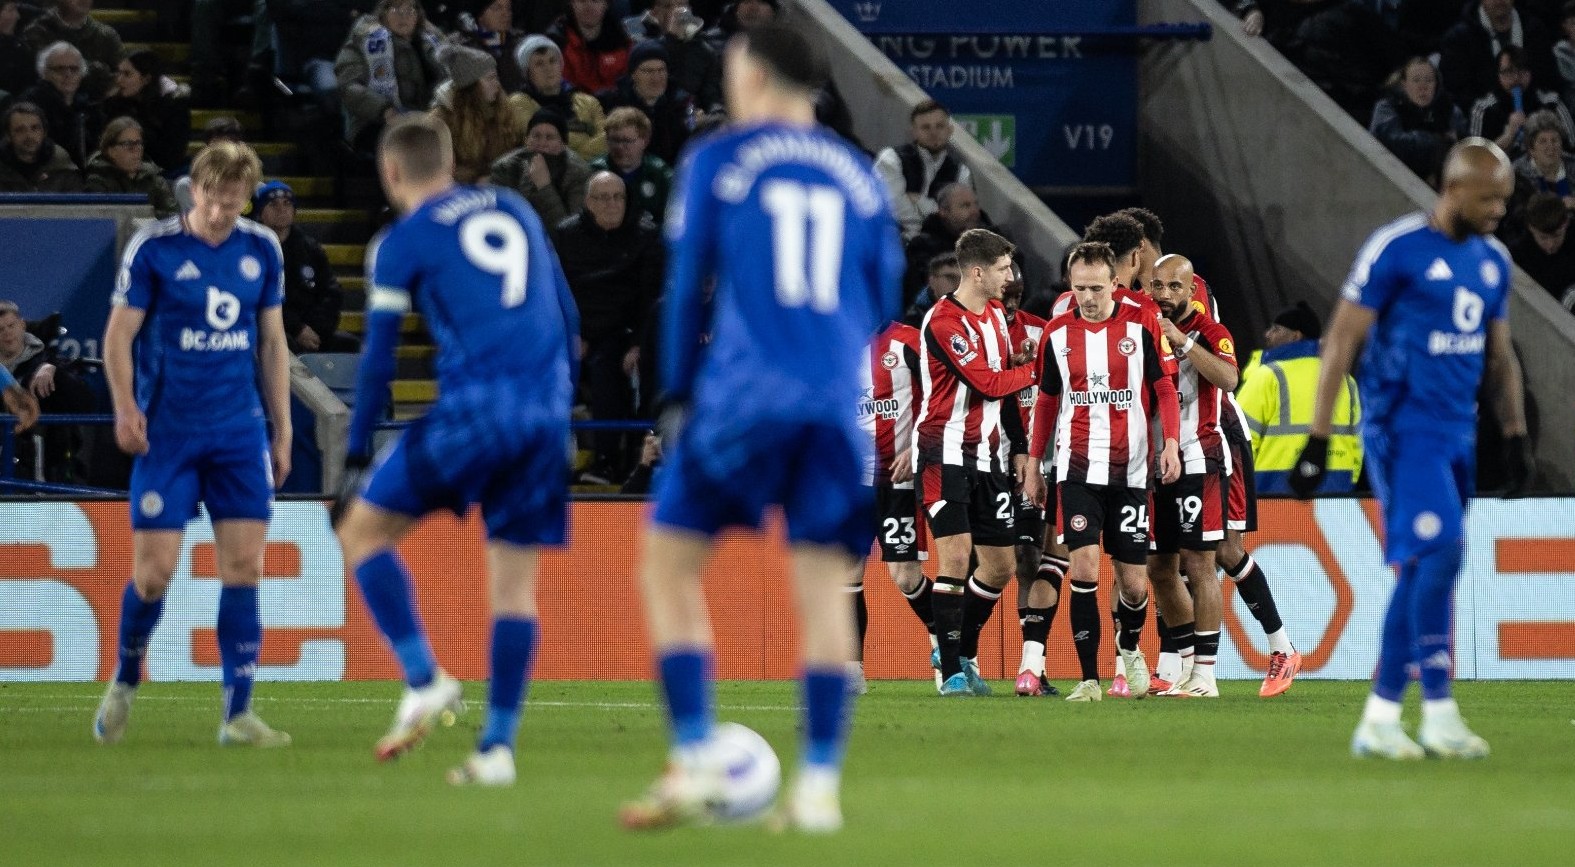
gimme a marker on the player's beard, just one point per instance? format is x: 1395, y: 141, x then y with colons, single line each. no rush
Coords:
x: 1464, y: 228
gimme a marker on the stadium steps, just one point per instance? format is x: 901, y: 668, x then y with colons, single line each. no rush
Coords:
x: 174, y: 53
x: 250, y: 121
x: 354, y: 321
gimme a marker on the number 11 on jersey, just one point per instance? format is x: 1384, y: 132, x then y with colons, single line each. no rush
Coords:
x: 800, y: 214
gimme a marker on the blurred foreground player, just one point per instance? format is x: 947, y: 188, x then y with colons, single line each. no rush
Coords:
x: 1429, y: 296
x: 197, y: 310
x: 795, y: 228
x: 476, y: 262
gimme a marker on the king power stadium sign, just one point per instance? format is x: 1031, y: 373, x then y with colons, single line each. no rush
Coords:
x: 1055, y: 104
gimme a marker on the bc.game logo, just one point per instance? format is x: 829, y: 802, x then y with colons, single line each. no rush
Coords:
x: 867, y: 10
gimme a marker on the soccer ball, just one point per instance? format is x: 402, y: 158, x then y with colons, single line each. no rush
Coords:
x: 750, y: 770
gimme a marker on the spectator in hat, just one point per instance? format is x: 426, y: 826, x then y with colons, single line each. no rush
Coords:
x: 488, y: 25
x: 29, y: 161
x: 595, y: 47
x: 119, y: 166
x: 549, y: 175
x: 647, y: 178
x: 692, y: 64
x: 540, y: 61
x: 162, y: 107
x: 312, y: 297
x: 649, y: 88
x: 1546, y: 251
x: 477, y: 112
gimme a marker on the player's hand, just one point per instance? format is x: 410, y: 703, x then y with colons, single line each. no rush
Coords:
x: 631, y: 361
x: 309, y: 339
x: 1025, y: 354
x: 349, y: 487
x: 1170, y: 462
x: 1519, y: 469
x: 131, y: 431
x: 1020, y: 471
x: 279, y: 452
x: 1310, y: 468
x: 901, y: 467
x: 43, y: 383
x: 1252, y: 25
x: 1172, y: 333
x: 1034, y: 489
x: 20, y: 403
x: 670, y: 420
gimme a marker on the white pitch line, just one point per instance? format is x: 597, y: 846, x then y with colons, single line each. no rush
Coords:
x: 598, y: 705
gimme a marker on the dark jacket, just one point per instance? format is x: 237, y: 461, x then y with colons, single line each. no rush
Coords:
x: 416, y: 69
x: 671, y: 117
x: 52, y: 172
x: 1345, y: 49
x: 103, y: 177
x: 647, y: 187
x: 166, y: 124
x: 1554, y: 271
x: 1490, y: 114
x: 310, y: 30
x: 1419, y: 135
x: 934, y: 238
x: 692, y: 65
x: 565, y: 195
x: 17, y: 72
x: 311, y: 291
x: 1468, y: 65
x: 75, y: 127
x: 615, y: 276
x: 99, y: 43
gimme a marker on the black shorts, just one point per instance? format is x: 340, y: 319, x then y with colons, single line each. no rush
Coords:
x: 1030, y: 521
x: 965, y: 500
x: 1120, y: 512
x: 901, y: 532
x: 1243, y: 494
x: 1189, y: 513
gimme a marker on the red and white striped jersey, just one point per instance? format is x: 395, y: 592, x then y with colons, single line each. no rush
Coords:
x: 1022, y: 326
x: 891, y: 392
x: 1065, y: 303
x: 1102, y: 372
x: 1202, y: 403
x: 963, y: 356
x: 1233, y: 422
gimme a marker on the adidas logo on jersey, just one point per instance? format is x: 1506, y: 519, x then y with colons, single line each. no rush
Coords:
x: 1439, y: 270
x: 188, y: 271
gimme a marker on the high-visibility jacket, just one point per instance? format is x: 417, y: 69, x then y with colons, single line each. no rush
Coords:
x: 1277, y: 397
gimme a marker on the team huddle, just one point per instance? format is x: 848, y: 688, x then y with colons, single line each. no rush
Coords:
x: 1123, y: 399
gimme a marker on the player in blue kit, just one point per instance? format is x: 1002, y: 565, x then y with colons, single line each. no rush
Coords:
x: 1429, y: 297
x: 476, y: 262
x: 793, y: 224
x: 197, y: 310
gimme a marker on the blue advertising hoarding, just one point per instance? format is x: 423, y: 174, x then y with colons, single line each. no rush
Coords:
x: 1040, y: 83
x: 61, y: 264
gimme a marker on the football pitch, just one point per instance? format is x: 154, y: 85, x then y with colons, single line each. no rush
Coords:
x: 1234, y: 781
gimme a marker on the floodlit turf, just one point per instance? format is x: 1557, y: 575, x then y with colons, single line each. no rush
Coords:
x: 959, y: 781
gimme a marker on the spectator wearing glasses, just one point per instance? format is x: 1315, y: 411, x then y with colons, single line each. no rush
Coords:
x: 647, y: 177
x: 29, y: 161
x: 120, y: 167
x: 1477, y: 42
x: 71, y: 21
x: 1546, y: 165
x: 74, y: 120
x: 1501, y: 114
x: 158, y: 103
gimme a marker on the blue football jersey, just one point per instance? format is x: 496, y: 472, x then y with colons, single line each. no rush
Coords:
x: 196, y: 355
x: 1434, y: 297
x: 793, y: 226
x: 475, y: 261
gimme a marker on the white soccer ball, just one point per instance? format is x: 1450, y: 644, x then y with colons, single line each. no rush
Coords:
x: 751, y: 772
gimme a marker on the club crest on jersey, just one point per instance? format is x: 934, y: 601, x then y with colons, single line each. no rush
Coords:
x: 251, y: 269
x: 889, y: 361
x: 151, y: 504
x: 959, y: 345
x: 1490, y: 274
x: 1078, y: 523
x: 1127, y: 346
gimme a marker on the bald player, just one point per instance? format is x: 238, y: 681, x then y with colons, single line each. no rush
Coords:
x: 1429, y: 298
x: 1189, y: 514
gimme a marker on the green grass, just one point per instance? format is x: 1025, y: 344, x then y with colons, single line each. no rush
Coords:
x: 1036, y: 781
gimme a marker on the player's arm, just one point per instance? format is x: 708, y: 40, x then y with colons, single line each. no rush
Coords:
x: 691, y: 252
x: 571, y: 319
x: 1341, y: 342
x: 1162, y: 385
x: 1509, y: 404
x: 131, y: 426
x: 17, y: 400
x: 1214, y: 357
x: 976, y: 372
x: 906, y: 452
x: 1048, y: 405
x: 273, y: 359
x: 386, y: 305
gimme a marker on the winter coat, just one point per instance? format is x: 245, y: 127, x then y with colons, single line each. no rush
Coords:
x: 647, y: 187
x: 587, y: 121
x: 615, y: 276
x: 416, y: 68
x: 75, y: 127
x: 52, y: 172
x: 1419, y: 135
x: 692, y: 65
x: 501, y: 48
x: 473, y: 160
x: 565, y: 195
x: 104, y: 177
x: 672, y: 117
x: 592, y: 65
x: 99, y: 43
x: 311, y: 291
x: 17, y: 72
x: 1468, y: 67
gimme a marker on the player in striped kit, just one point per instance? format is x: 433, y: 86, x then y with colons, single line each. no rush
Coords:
x: 1041, y: 568
x: 886, y: 410
x: 1102, y: 379
x: 1189, y: 515
x: 965, y: 440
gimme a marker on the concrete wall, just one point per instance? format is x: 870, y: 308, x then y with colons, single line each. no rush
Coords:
x: 1271, y: 188
x: 880, y: 97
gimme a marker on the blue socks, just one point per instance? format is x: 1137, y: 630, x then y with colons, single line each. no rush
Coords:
x: 1396, y: 646
x: 513, y: 651
x: 1417, y: 626
x: 386, y: 587
x: 826, y: 706
x: 686, y: 677
x: 137, y: 619
x: 240, y: 640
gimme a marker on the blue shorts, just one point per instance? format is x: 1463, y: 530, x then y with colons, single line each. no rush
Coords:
x: 1423, y: 480
x: 228, y: 471
x: 725, y: 475
x: 517, y: 469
